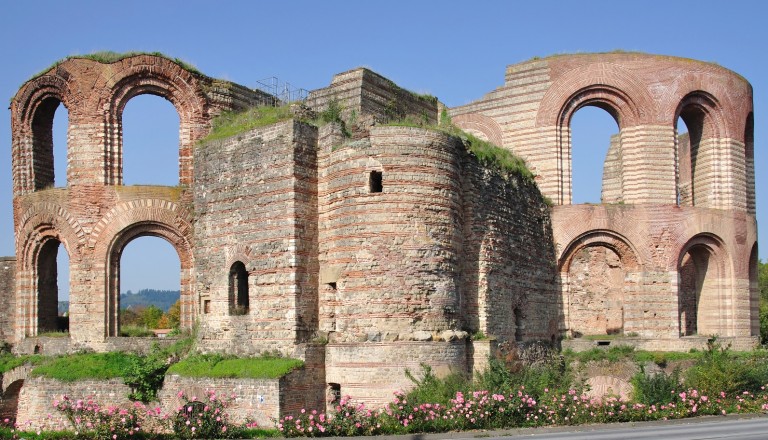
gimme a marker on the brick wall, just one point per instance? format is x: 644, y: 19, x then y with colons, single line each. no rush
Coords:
x: 38, y: 395
x: 254, y: 203
x: 367, y: 97
x: 7, y: 297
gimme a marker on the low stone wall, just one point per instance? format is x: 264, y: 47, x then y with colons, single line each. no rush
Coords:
x: 686, y: 343
x: 249, y: 399
x: 369, y: 372
x: 37, y: 397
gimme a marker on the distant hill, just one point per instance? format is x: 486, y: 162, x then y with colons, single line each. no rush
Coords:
x: 163, y: 299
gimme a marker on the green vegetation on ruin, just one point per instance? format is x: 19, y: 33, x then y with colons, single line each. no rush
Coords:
x: 489, y: 155
x: 8, y: 361
x: 230, y: 124
x: 215, y: 365
x: 109, y: 57
x: 83, y: 366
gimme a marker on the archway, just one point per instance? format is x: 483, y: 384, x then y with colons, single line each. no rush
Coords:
x: 150, y: 128
x: 165, y: 244
x: 48, y: 264
x: 600, y: 273
x: 49, y: 146
x: 697, y: 151
x: 704, y: 307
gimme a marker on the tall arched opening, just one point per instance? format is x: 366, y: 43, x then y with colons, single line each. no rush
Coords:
x: 164, y: 261
x: 51, y: 270
x: 698, y: 157
x: 704, y: 303
x: 49, y: 144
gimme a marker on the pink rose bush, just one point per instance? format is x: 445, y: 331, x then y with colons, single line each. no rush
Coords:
x: 487, y: 410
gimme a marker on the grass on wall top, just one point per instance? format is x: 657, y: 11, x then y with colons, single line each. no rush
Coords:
x: 83, y: 366
x: 109, y: 57
x: 231, y: 123
x: 218, y: 366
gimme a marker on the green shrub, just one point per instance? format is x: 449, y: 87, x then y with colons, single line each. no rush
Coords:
x: 717, y: 370
x: 9, y: 362
x: 508, y: 373
x: 655, y: 389
x: 135, y: 331
x: 145, y: 375
x: 431, y: 389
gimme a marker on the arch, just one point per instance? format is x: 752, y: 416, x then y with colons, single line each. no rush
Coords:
x: 605, y: 85
x: 596, y: 304
x: 615, y: 85
x: 33, y: 114
x: 38, y: 225
x: 9, y: 405
x: 476, y: 123
x: 160, y: 77
x: 613, y: 240
x: 705, y: 305
x: 131, y: 219
x: 698, y: 155
x: 114, y: 252
x: 39, y: 280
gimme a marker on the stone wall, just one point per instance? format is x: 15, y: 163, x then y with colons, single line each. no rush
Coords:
x: 38, y: 395
x: 531, y: 113
x: 254, y: 204
x: 7, y: 297
x: 366, y: 98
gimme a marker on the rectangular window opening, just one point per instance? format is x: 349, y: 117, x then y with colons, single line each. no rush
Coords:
x: 375, y: 182
x: 207, y: 306
x: 332, y: 285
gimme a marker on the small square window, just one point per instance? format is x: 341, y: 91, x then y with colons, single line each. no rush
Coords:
x: 375, y: 182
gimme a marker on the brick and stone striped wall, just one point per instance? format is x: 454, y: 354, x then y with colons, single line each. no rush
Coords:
x: 7, y: 297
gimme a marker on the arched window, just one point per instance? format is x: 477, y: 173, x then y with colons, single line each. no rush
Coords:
x: 238, y: 289
x: 150, y: 129
x: 49, y: 144
x: 595, y: 157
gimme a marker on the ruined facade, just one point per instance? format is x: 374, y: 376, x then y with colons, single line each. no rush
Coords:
x: 391, y: 247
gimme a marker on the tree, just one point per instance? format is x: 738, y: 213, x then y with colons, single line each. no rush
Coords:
x: 171, y: 319
x: 150, y: 316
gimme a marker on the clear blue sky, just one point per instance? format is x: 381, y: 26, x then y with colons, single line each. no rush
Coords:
x: 456, y: 51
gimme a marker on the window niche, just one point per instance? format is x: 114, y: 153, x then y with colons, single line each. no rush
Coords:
x: 238, y: 289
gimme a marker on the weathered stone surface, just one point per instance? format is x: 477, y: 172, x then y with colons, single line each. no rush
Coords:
x: 393, y: 246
